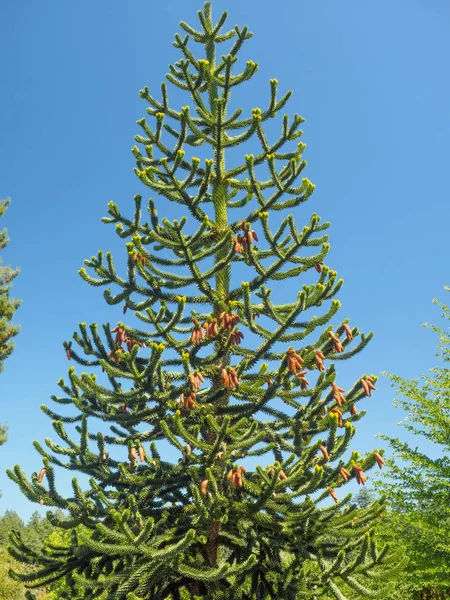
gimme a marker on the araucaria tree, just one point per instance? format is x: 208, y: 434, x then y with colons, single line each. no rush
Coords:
x: 222, y: 372
x: 8, y: 306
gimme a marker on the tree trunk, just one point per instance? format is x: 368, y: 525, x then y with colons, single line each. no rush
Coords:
x: 212, y: 545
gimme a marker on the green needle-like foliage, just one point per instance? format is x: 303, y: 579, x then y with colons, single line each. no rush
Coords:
x: 8, y: 307
x: 214, y: 368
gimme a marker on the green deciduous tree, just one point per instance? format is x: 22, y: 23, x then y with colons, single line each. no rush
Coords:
x: 34, y: 534
x: 9, y: 589
x: 210, y: 524
x: 418, y: 487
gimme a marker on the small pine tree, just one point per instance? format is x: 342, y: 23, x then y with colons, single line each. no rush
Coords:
x: 209, y: 525
x: 8, y: 307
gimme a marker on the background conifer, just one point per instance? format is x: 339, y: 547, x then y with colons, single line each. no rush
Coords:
x: 8, y: 307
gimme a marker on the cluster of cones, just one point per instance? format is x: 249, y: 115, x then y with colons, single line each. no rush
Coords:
x: 195, y: 378
x: 229, y: 378
x: 137, y: 256
x: 234, y: 475
x: 241, y: 244
x: 188, y: 401
x: 359, y: 474
x: 121, y: 338
x: 210, y: 328
x: 136, y: 451
x: 294, y: 364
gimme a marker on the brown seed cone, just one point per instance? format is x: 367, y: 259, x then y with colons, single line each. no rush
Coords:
x: 121, y: 335
x: 337, y: 394
x: 237, y: 479
x: 234, y: 378
x: 230, y: 474
x: 333, y: 494
x: 338, y: 347
x: 225, y: 378
x: 224, y: 320
x: 250, y: 236
x: 214, y: 329
x: 194, y: 380
x: 303, y: 381
x: 228, y: 320
x: 198, y: 334
x: 324, y: 452
x: 229, y: 378
x: 318, y: 267
x: 353, y: 410
x: 370, y: 385
x: 379, y: 459
x: 189, y: 401
x: 124, y: 407
x: 236, y: 338
x: 131, y: 343
x: 132, y: 453
x: 344, y: 474
x: 41, y: 474
x: 141, y: 453
x: 68, y: 354
x: 237, y: 246
x: 294, y: 361
x: 139, y: 257
x: 348, y: 332
x: 283, y: 475
x: 359, y: 474
x: 204, y: 486
x: 319, y: 358
x: 211, y: 328
x: 365, y: 386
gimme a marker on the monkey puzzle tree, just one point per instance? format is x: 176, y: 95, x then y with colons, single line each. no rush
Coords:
x: 8, y: 306
x: 221, y: 371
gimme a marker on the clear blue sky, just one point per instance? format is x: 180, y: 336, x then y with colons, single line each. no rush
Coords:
x: 371, y: 79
